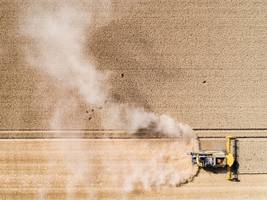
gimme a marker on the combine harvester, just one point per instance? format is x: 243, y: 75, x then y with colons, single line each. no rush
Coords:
x: 216, y: 160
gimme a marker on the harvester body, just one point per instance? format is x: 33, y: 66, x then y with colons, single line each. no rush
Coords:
x: 219, y: 159
x: 207, y: 159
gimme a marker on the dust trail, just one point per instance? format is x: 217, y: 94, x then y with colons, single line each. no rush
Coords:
x: 58, y: 49
x: 58, y: 37
x: 132, y: 119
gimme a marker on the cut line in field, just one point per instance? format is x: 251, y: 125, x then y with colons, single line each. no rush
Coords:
x: 118, y: 134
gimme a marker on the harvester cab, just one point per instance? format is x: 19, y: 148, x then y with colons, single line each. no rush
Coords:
x: 219, y: 159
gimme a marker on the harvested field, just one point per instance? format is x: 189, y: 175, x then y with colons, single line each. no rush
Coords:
x: 36, y: 168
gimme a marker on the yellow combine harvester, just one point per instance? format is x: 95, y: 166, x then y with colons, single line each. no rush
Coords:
x: 219, y: 159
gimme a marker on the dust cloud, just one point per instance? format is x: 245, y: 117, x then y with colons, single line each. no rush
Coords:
x: 58, y: 37
x: 134, y: 120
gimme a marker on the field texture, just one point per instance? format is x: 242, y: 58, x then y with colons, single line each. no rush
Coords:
x: 202, y: 62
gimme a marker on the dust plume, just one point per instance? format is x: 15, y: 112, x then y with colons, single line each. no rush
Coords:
x: 58, y: 37
x: 169, y: 165
x: 134, y: 120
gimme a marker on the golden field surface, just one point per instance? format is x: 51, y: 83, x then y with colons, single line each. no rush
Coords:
x: 39, y: 169
x: 202, y: 62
